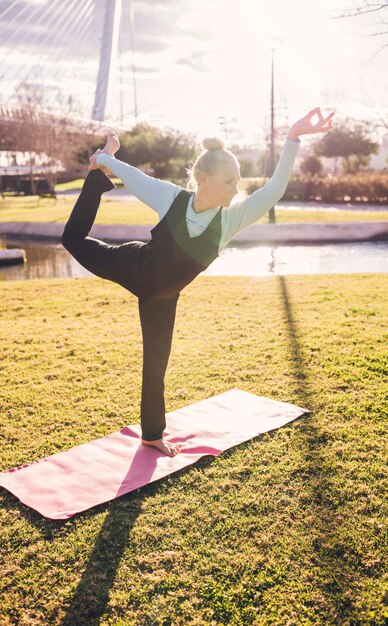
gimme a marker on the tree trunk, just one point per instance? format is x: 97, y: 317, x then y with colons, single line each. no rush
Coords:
x: 32, y: 183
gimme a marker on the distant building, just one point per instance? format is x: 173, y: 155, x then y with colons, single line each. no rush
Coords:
x: 18, y: 180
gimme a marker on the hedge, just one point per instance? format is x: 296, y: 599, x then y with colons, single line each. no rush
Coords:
x: 365, y: 187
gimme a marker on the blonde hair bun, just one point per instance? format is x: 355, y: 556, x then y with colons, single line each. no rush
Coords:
x: 213, y: 143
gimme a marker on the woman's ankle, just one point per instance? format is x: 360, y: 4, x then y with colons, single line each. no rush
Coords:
x: 100, y: 180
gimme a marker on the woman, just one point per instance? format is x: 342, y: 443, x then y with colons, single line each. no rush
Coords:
x: 193, y: 229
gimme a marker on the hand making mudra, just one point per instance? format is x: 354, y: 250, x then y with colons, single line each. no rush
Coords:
x: 194, y: 225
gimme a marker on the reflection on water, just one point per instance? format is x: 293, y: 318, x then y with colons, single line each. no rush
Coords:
x: 44, y: 260
x: 53, y: 261
x: 340, y: 258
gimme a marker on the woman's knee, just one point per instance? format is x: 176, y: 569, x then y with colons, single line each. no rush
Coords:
x: 70, y: 241
x: 66, y: 240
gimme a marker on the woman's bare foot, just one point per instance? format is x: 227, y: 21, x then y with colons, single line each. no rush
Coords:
x: 111, y: 147
x: 171, y: 449
x: 112, y: 144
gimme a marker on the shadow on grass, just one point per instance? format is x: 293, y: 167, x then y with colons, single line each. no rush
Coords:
x: 90, y: 600
x: 318, y: 478
x: 91, y: 597
x: 302, y: 385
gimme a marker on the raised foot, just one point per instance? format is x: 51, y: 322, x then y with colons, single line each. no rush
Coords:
x: 171, y: 449
x: 111, y: 147
x: 112, y: 144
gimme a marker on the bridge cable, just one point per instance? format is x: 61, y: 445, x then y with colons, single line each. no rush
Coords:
x: 23, y: 26
x: 38, y: 37
x: 9, y: 8
x: 27, y: 34
x: 79, y: 56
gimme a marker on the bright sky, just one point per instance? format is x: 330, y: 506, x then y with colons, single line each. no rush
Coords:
x: 198, y: 60
x: 226, y: 60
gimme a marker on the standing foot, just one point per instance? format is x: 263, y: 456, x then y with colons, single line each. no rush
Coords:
x: 171, y: 449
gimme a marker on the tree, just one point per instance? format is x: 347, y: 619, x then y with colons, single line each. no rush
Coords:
x: 349, y: 141
x: 248, y: 168
x: 362, y: 7
x: 50, y: 140
x: 164, y: 152
x: 379, y: 31
x: 311, y: 165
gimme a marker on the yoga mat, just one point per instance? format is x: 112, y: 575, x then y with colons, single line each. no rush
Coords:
x: 69, y: 482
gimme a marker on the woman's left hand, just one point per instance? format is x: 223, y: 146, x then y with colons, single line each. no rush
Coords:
x: 304, y: 126
x: 93, y: 163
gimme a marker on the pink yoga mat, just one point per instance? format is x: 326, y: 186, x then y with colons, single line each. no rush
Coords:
x: 69, y: 482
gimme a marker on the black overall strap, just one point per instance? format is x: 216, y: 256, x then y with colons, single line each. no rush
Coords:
x: 197, y: 247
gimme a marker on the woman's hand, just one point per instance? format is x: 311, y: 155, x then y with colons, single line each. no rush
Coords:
x: 305, y: 127
x: 111, y: 147
x: 93, y: 163
x: 92, y: 160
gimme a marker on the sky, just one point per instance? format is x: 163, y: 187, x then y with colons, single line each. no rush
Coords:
x: 203, y: 65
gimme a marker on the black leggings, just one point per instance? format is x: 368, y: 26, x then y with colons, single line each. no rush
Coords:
x: 115, y: 262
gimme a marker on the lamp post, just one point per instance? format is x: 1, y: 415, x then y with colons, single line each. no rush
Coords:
x: 271, y: 164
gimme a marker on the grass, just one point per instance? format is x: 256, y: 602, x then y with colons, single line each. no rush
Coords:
x: 30, y: 209
x: 111, y: 211
x: 285, y: 529
x: 77, y: 184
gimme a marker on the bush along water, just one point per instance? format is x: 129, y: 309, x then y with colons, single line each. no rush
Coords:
x: 362, y: 188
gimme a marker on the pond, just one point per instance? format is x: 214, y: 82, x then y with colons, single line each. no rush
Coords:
x: 45, y: 260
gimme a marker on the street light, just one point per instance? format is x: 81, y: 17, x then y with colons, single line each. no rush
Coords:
x: 274, y: 43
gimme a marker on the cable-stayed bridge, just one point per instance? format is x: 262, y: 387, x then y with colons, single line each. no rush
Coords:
x: 73, y: 59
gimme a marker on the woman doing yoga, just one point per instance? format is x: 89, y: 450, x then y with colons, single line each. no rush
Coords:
x: 193, y: 228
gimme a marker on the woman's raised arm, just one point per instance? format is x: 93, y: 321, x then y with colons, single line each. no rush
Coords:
x: 240, y: 215
x: 304, y: 126
x: 157, y: 194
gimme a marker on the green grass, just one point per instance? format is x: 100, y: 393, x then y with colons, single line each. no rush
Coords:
x: 285, y: 529
x: 77, y: 184
x: 47, y: 210
x: 70, y: 185
x: 31, y: 209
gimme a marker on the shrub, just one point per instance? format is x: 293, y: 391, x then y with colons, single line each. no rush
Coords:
x: 365, y: 187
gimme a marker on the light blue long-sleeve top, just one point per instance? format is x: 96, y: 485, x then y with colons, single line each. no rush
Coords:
x: 159, y: 195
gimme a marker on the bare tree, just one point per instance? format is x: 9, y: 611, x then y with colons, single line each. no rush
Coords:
x: 381, y: 121
x: 379, y: 27
x: 379, y: 30
x: 50, y: 139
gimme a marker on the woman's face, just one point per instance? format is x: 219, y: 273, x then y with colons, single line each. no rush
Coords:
x: 221, y: 187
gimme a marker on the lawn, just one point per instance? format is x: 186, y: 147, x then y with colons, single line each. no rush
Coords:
x: 31, y: 209
x: 286, y: 529
x: 77, y: 183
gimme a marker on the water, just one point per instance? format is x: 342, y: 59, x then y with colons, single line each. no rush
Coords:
x: 46, y: 260
x: 340, y: 258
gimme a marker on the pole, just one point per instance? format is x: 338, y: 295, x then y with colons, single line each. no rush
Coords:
x: 271, y: 165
